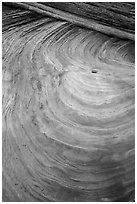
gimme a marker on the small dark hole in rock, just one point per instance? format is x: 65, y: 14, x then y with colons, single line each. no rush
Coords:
x: 94, y: 71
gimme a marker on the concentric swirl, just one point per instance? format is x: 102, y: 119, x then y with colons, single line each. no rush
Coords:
x: 68, y: 113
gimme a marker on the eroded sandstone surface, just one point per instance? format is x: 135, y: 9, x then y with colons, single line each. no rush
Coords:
x: 68, y: 111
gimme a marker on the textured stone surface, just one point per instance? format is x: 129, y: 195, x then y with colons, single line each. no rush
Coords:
x: 68, y: 111
x: 117, y: 19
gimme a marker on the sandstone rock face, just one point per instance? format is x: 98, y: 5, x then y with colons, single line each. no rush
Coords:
x: 68, y: 111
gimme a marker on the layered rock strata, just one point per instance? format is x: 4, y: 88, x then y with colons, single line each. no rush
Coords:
x: 68, y: 111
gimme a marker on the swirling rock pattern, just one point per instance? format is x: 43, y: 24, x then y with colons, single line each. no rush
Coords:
x: 68, y: 112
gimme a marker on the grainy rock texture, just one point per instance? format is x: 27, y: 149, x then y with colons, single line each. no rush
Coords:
x: 68, y: 105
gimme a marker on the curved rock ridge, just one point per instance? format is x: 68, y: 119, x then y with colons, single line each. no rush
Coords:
x: 68, y: 113
x: 112, y: 18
